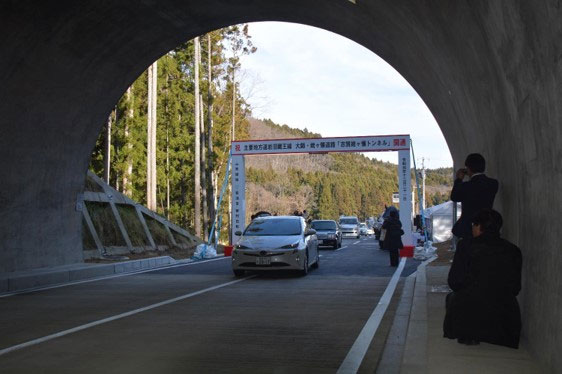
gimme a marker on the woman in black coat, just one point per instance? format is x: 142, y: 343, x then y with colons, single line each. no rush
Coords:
x: 393, y: 237
x: 485, y: 278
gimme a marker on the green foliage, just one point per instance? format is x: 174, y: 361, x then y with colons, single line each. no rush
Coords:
x: 158, y: 231
x: 176, y: 123
x: 105, y: 224
x: 347, y: 184
x: 437, y: 198
x: 440, y: 176
x: 132, y: 224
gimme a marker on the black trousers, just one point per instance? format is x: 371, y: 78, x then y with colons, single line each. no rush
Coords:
x: 393, y: 256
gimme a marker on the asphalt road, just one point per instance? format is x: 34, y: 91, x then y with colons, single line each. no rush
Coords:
x: 269, y: 323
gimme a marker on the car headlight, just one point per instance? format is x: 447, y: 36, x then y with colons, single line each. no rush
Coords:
x: 290, y: 246
x: 331, y: 236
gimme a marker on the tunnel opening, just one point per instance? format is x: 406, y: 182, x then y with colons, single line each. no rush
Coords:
x: 121, y: 152
x: 489, y: 73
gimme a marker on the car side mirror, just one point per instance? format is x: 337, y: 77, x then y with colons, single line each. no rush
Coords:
x: 310, y: 232
x: 238, y: 233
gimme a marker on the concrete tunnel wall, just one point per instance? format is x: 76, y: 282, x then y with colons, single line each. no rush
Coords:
x: 490, y: 72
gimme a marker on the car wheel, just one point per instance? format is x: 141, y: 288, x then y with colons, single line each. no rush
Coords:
x: 238, y: 273
x: 317, y: 263
x: 304, y: 271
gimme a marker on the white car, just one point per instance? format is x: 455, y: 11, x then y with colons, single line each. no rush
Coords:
x: 276, y: 243
x: 349, y: 226
x: 363, y: 229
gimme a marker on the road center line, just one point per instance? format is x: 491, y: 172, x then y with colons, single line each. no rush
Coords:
x: 116, y: 317
x: 355, y: 356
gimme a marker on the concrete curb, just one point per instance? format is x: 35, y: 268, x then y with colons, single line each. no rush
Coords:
x: 391, y: 358
x: 28, y: 281
x: 414, y: 359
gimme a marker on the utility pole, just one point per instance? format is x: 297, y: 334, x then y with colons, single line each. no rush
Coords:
x: 197, y: 192
x: 232, y: 135
x: 167, y: 172
x: 204, y: 170
x: 210, y: 167
x: 423, y: 183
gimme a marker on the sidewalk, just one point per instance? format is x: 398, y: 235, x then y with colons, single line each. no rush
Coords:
x: 427, y: 351
x: 59, y: 275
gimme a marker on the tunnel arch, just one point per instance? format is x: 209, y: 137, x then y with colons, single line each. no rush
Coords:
x: 490, y: 72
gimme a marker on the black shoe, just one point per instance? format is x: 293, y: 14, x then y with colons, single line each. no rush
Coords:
x: 468, y: 341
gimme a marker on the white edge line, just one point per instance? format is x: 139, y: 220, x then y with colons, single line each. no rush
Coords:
x: 355, y: 356
x: 116, y: 317
x: 124, y: 274
x: 341, y: 248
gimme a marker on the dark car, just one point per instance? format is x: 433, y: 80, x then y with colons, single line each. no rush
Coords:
x: 328, y: 233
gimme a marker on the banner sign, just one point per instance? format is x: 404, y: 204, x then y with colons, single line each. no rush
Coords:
x: 405, y: 186
x: 242, y: 148
x: 238, y: 196
x: 322, y: 145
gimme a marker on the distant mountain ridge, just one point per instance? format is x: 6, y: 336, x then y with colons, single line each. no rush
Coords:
x: 326, y: 185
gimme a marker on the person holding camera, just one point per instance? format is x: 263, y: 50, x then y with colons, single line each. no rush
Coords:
x: 474, y: 195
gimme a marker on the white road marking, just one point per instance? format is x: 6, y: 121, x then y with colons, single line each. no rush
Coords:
x: 356, y: 242
x: 35, y: 289
x: 116, y: 317
x: 340, y: 248
x: 355, y: 356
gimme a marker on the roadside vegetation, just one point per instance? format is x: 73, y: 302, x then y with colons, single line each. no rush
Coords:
x: 190, y: 102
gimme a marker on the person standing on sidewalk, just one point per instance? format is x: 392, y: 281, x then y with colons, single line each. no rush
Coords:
x: 485, y: 277
x: 393, y: 237
x: 476, y: 194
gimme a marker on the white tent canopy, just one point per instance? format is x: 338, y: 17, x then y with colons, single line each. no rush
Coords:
x: 439, y: 221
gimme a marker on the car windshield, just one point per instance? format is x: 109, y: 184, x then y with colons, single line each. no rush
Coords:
x: 348, y: 221
x: 363, y: 225
x: 274, y: 227
x: 323, y: 225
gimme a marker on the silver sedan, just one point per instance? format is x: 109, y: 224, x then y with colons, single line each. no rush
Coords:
x: 276, y: 243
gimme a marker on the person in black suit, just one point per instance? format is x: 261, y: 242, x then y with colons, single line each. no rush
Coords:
x: 476, y: 194
x: 485, y: 277
x: 393, y: 237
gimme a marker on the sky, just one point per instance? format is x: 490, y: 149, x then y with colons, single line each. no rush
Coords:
x: 307, y: 77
